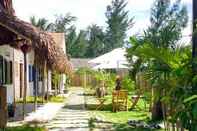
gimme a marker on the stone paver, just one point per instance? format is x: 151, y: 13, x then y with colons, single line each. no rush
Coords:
x: 73, y: 116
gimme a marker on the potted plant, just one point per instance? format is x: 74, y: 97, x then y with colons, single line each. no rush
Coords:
x: 11, y: 110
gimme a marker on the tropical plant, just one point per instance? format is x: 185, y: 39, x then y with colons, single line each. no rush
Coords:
x: 128, y: 84
x: 107, y: 78
x: 170, y: 73
x: 167, y: 21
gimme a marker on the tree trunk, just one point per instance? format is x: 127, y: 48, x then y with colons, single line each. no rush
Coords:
x: 157, y: 113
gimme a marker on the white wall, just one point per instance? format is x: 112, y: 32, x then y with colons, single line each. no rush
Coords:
x: 49, y: 80
x: 18, y: 59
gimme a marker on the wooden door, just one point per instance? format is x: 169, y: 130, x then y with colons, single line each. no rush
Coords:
x: 3, y: 107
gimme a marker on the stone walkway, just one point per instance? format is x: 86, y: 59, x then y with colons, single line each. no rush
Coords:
x: 73, y: 116
x: 43, y: 114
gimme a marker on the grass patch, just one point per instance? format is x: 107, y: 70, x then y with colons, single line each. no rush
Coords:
x: 30, y: 99
x: 118, y: 120
x: 25, y: 128
x: 54, y: 99
x: 57, y: 99
x: 123, y: 116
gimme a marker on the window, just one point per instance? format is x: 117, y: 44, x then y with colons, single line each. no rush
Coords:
x: 8, y: 72
x: 30, y: 73
x: 5, y: 71
x: 33, y: 73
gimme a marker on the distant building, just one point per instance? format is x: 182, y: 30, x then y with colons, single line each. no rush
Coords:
x: 60, y: 40
x: 78, y: 63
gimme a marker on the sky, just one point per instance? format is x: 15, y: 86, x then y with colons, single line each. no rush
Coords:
x: 91, y: 12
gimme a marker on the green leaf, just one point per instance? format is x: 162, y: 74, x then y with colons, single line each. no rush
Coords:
x: 191, y: 98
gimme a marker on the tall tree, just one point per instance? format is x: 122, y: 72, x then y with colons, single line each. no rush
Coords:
x: 71, y: 39
x: 118, y: 23
x: 95, y: 41
x: 79, y: 48
x: 41, y: 23
x: 167, y: 21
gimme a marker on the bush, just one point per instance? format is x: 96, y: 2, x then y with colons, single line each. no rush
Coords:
x: 128, y: 84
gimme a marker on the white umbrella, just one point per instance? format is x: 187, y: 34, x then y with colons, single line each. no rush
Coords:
x: 115, y: 56
x: 111, y: 66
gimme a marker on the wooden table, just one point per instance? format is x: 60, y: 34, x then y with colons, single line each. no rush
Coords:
x: 134, y: 97
x: 101, y: 103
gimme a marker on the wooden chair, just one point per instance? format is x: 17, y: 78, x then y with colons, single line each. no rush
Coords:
x: 114, y: 100
x: 120, y: 100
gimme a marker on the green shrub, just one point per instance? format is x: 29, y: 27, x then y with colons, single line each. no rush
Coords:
x: 128, y: 84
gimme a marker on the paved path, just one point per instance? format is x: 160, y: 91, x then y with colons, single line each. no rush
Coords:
x: 43, y: 114
x: 72, y: 117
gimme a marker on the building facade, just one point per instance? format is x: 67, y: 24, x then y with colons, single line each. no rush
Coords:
x: 12, y: 71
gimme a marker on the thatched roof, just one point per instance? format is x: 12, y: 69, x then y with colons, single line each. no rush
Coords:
x: 16, y: 30
x: 81, y: 63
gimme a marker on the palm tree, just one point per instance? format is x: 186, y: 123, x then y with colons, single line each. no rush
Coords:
x: 41, y: 23
x: 62, y: 21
